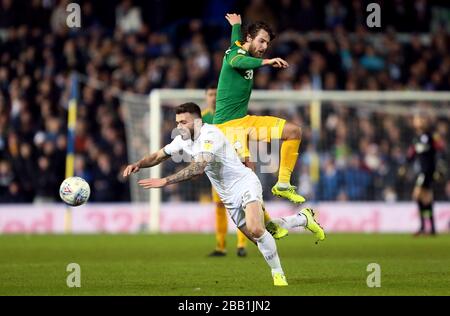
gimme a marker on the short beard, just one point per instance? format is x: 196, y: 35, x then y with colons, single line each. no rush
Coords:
x: 253, y: 51
x: 187, y: 134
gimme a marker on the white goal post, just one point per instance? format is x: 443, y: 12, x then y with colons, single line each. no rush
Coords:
x: 152, y: 114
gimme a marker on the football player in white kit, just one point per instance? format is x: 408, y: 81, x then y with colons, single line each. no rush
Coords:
x: 238, y: 186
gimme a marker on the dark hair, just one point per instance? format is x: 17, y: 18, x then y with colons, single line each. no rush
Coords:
x: 211, y: 85
x: 189, y: 107
x: 253, y: 29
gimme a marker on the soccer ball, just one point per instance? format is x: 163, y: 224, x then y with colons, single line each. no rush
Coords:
x: 74, y: 191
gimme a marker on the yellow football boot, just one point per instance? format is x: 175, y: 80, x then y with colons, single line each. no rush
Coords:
x: 276, y: 230
x: 279, y: 279
x: 312, y: 225
x: 288, y: 193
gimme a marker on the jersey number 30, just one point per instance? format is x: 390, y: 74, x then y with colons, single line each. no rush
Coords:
x: 249, y: 75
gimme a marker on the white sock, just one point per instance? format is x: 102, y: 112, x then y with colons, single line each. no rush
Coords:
x: 292, y: 221
x: 268, y: 248
x: 282, y: 185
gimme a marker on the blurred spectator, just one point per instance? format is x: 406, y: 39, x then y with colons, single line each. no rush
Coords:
x: 137, y: 46
x: 329, y: 184
x: 258, y: 10
x: 8, y: 15
x: 59, y: 17
x: 105, y: 182
x: 371, y: 61
x: 81, y: 170
x: 128, y: 17
x: 335, y: 14
x: 8, y: 185
x: 305, y: 18
x: 46, y: 182
x: 25, y: 168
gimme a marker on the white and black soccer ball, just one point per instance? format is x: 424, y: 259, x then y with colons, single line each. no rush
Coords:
x: 74, y: 191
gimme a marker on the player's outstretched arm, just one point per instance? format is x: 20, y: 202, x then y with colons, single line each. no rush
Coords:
x: 196, y: 168
x: 276, y: 62
x: 146, y: 162
x: 240, y: 61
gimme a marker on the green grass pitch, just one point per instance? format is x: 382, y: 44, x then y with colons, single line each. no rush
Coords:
x: 177, y: 264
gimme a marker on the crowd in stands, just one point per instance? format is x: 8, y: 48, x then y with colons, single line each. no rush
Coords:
x: 138, y: 46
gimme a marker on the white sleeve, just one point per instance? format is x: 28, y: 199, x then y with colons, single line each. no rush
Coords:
x: 174, y: 147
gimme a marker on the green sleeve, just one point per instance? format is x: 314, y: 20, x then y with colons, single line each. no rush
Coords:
x: 235, y: 33
x: 239, y: 61
x: 208, y: 117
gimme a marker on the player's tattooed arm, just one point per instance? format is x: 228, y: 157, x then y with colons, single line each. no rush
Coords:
x: 191, y: 171
x: 196, y: 168
x: 153, y: 159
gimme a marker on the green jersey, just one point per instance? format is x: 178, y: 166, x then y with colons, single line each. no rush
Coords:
x: 208, y: 116
x: 235, y: 81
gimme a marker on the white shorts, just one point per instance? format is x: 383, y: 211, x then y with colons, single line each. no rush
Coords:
x: 248, y: 190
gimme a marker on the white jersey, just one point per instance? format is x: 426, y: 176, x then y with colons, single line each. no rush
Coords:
x: 227, y: 173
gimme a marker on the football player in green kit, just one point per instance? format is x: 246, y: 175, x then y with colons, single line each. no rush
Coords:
x: 233, y: 95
